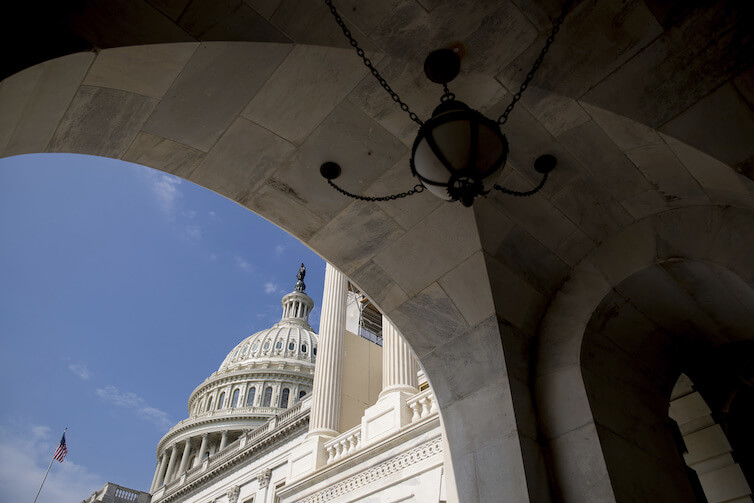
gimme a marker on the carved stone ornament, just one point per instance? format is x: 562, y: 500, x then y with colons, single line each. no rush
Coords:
x: 264, y: 477
x: 233, y: 494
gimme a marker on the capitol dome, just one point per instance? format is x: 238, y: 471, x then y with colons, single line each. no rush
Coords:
x: 291, y: 340
x: 263, y: 375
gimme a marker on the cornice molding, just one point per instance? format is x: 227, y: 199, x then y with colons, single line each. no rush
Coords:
x: 374, y: 474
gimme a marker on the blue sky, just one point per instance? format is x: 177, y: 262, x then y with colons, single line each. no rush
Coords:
x: 121, y: 290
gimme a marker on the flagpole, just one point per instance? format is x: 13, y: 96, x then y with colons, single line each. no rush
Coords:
x: 48, y: 471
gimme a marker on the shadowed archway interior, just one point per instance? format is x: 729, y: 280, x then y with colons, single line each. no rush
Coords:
x: 696, y: 320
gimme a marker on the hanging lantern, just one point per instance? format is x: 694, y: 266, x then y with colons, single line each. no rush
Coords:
x: 457, y: 151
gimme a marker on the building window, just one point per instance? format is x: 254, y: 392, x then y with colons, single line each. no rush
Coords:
x: 250, y: 397
x: 301, y: 394
x: 291, y: 346
x: 234, y: 401
x: 221, y: 401
x: 267, y: 397
x: 303, y: 348
x: 314, y: 351
x: 245, y: 350
x: 279, y: 345
x: 256, y: 346
x: 266, y: 345
x: 284, y: 398
x: 209, y: 403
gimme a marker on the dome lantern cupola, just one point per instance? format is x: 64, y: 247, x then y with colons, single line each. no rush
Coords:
x: 297, y: 305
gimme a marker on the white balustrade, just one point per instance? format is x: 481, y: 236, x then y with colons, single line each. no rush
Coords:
x: 422, y: 405
x: 343, y: 445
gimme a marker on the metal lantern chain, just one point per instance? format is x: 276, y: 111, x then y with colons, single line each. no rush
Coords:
x: 417, y: 188
x: 368, y: 64
x: 544, y: 164
x: 537, y: 62
x: 526, y: 193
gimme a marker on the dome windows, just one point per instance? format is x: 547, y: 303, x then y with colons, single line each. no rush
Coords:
x: 209, y: 403
x: 266, y: 345
x: 250, y: 396
x: 256, y: 346
x: 279, y: 345
x: 291, y: 346
x: 314, y: 351
x: 303, y: 348
x: 221, y: 401
x: 267, y: 397
x: 234, y: 400
x: 284, y: 398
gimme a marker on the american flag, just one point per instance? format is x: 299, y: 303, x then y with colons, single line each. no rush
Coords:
x: 61, y: 451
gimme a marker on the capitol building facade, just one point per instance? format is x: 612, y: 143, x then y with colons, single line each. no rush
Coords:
x: 288, y: 418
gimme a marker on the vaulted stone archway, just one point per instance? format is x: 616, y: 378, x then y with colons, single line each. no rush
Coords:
x: 648, y: 304
x: 495, y: 299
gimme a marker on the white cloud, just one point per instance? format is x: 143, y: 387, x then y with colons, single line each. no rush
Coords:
x: 212, y: 213
x: 279, y: 249
x: 80, y: 370
x: 24, y: 456
x: 213, y: 257
x: 133, y: 401
x: 122, y: 399
x: 194, y: 231
x: 165, y: 190
x: 242, y: 264
x: 270, y: 287
x: 156, y: 416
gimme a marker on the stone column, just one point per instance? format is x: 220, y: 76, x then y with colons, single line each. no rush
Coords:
x: 171, y: 463
x: 184, y: 459
x: 159, y: 475
x: 223, y: 441
x: 328, y: 373
x: 399, y: 366
x: 202, y: 448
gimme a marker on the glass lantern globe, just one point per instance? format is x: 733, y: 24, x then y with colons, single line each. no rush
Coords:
x: 457, y: 152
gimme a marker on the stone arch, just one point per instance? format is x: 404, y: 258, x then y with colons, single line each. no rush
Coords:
x: 222, y: 115
x: 571, y: 408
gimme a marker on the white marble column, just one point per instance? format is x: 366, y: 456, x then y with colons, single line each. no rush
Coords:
x: 184, y: 459
x: 223, y: 441
x: 171, y: 463
x: 399, y: 366
x: 202, y: 449
x: 159, y: 475
x: 328, y: 372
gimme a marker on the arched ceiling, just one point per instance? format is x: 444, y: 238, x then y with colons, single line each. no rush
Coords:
x: 669, y: 317
x: 653, y: 61
x: 647, y: 105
